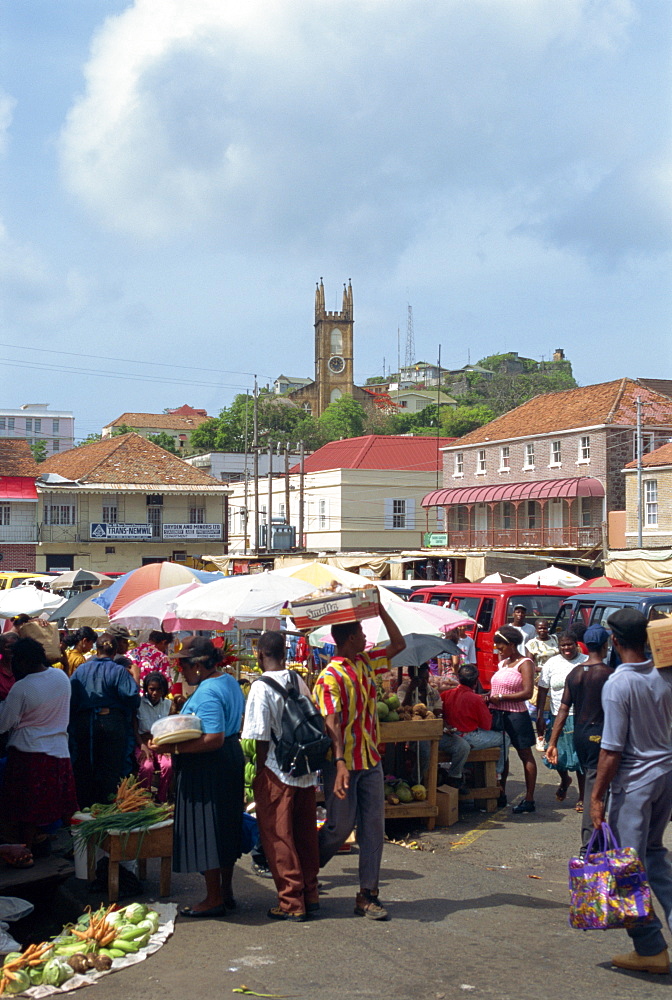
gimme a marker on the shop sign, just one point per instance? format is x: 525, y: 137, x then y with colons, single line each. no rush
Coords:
x: 117, y: 532
x: 195, y: 531
x: 435, y: 539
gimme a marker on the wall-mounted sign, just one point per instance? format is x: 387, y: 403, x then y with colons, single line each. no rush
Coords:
x: 120, y: 532
x: 195, y: 531
x: 435, y: 539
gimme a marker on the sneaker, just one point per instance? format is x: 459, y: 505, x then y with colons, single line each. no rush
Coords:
x: 261, y: 871
x: 540, y: 744
x: 276, y: 913
x: 312, y: 907
x: 368, y: 905
x: 524, y: 807
x: 659, y: 963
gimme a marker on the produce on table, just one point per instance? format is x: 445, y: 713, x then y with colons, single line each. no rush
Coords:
x: 90, y: 944
x: 397, y: 791
x: 249, y: 748
x: 131, y: 809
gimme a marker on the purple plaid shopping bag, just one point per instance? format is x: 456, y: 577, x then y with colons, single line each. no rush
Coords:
x: 608, y: 888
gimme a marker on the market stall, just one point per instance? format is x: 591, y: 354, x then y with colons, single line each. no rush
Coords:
x: 429, y: 730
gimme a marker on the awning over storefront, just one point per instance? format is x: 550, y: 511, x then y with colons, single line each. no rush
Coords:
x: 546, y: 489
x: 17, y: 488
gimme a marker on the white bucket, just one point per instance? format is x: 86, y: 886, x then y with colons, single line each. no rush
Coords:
x: 80, y: 849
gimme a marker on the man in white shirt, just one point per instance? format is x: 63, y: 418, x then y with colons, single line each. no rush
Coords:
x: 552, y: 680
x: 527, y: 631
x: 466, y: 645
x: 286, y: 812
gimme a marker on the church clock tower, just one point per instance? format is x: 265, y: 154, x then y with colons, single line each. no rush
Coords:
x: 333, y: 349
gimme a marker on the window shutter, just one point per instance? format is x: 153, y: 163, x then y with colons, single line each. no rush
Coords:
x: 388, y: 514
x: 410, y: 514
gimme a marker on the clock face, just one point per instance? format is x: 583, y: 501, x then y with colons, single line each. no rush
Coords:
x: 336, y: 364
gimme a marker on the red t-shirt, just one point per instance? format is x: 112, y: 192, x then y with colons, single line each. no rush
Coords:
x: 465, y: 710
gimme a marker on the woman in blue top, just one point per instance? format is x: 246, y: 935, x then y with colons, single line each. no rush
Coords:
x: 209, y: 772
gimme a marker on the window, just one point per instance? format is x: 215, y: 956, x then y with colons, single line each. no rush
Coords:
x: 403, y: 403
x: 3, y: 423
x: 10, y: 423
x: 647, y: 444
x: 197, y: 515
x: 110, y: 513
x: 59, y: 513
x: 508, y: 515
x: 398, y: 513
x: 38, y: 425
x: 529, y: 455
x: 584, y: 448
x: 55, y: 445
x: 322, y: 514
x: 461, y: 518
x: 651, y: 502
x: 29, y: 424
x: 55, y: 426
x: 4, y: 514
x: 586, y: 512
x: 556, y: 453
x: 505, y: 457
x: 481, y: 465
x: 459, y: 464
x: 154, y: 520
x: 282, y: 512
x: 531, y: 514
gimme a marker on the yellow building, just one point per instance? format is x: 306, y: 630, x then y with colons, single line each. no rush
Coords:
x: 122, y: 502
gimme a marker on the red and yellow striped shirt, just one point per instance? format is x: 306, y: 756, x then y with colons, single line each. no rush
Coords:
x: 349, y: 687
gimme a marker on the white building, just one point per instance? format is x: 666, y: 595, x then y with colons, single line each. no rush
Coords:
x: 36, y: 422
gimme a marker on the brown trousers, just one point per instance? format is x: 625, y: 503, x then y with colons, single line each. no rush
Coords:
x: 288, y: 829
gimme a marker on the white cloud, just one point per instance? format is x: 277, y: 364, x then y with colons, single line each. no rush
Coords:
x: 344, y: 123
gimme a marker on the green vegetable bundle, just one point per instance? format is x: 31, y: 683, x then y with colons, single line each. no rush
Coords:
x: 124, y: 823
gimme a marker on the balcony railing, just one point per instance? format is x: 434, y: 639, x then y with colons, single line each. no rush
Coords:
x: 18, y: 533
x: 525, y: 538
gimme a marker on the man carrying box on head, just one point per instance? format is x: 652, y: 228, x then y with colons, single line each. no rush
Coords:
x: 353, y: 780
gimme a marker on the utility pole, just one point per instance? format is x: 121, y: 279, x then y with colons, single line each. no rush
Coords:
x: 246, y: 474
x: 638, y: 401
x: 287, y: 517
x: 302, y: 470
x: 410, y: 338
x: 438, y: 418
x: 269, y: 515
x: 255, y: 449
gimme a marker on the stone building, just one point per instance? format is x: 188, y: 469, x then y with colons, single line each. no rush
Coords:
x: 334, y: 358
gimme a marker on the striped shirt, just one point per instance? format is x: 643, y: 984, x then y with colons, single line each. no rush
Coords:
x: 508, y: 680
x: 349, y: 687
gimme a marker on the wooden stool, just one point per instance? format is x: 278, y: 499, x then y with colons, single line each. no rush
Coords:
x: 138, y: 847
x: 485, y: 777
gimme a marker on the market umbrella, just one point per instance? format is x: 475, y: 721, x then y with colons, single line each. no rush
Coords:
x: 27, y: 601
x: 607, y: 583
x: 75, y: 577
x: 246, y: 601
x: 150, y: 610
x: 154, y: 576
x: 553, y: 576
x: 422, y: 626
x: 81, y: 610
x: 498, y: 578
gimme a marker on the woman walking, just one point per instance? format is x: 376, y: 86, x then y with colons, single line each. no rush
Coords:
x: 511, y: 687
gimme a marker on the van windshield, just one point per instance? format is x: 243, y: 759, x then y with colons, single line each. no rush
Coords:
x: 660, y: 611
x: 538, y: 606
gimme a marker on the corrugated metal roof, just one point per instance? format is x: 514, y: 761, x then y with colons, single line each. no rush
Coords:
x: 548, y: 489
x: 17, y: 488
x: 379, y: 451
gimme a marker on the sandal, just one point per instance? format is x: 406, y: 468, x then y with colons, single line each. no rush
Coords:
x: 578, y: 807
x: 561, y: 793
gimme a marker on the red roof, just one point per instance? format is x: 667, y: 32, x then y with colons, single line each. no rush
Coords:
x: 379, y: 451
x: 580, y: 486
x: 17, y: 488
x: 661, y: 456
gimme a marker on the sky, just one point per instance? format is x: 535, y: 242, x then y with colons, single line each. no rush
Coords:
x: 175, y: 177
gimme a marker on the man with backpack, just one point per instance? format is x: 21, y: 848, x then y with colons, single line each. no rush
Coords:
x: 353, y: 779
x: 285, y: 802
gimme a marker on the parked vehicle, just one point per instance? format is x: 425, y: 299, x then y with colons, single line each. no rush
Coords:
x: 491, y: 606
x: 8, y: 580
x: 594, y: 607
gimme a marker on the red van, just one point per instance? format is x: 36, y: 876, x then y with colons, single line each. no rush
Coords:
x: 491, y: 606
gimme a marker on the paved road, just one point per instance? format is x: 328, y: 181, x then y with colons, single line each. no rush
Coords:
x: 481, y: 912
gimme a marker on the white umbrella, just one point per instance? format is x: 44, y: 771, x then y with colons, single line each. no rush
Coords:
x: 150, y: 610
x: 499, y: 578
x: 27, y: 601
x: 553, y: 576
x: 75, y: 577
x: 242, y: 600
x: 423, y: 626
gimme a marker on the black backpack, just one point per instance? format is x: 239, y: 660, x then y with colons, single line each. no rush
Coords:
x: 303, y: 744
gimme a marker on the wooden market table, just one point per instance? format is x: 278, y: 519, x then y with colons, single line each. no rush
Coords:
x: 156, y: 842
x: 407, y: 732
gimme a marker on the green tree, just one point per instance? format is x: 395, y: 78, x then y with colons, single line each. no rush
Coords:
x: 279, y: 420
x: 39, y: 450
x: 165, y: 441
x: 459, y: 420
x: 89, y: 439
x: 124, y: 429
x: 344, y: 418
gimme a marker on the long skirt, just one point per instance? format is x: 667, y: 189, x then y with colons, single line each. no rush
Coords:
x: 38, y: 789
x: 209, y: 794
x: 568, y: 759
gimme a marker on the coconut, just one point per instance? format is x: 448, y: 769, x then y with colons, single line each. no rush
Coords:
x: 383, y: 711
